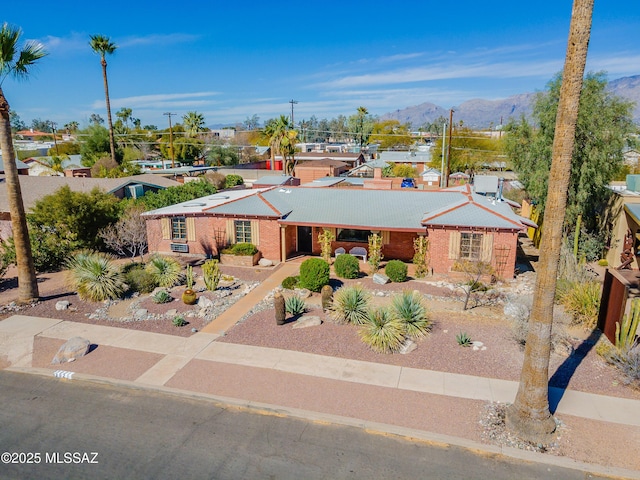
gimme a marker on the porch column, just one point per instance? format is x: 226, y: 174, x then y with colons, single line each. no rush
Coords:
x: 283, y: 243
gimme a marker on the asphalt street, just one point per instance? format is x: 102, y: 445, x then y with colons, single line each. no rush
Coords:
x: 53, y: 429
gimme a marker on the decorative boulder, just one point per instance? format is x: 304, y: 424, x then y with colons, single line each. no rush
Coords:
x: 380, y: 278
x: 265, y: 262
x: 303, y: 292
x: 73, y: 348
x: 204, y: 302
x: 62, y: 305
x: 408, y: 346
x: 307, y: 321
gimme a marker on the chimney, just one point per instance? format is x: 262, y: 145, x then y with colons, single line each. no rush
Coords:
x: 377, y: 172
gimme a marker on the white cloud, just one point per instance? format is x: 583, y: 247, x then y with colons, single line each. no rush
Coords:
x: 173, y: 100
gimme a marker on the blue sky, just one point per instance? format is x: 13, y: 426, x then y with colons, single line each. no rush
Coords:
x: 230, y: 60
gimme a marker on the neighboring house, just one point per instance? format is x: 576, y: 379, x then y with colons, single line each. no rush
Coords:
x: 35, y: 188
x: 38, y: 166
x: 418, y: 160
x: 285, y: 221
x: 431, y: 177
x: 23, y: 168
x: 366, y: 170
x: 308, y: 171
x: 275, y: 181
x: 459, y: 178
x: 631, y: 157
x: 351, y: 159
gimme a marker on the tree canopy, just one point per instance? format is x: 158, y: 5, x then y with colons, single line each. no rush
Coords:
x: 390, y: 134
x: 604, y: 122
x: 470, y: 151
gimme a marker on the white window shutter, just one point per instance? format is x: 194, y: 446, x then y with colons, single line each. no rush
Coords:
x: 386, y: 237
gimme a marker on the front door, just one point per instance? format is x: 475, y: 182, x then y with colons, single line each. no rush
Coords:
x: 305, y: 239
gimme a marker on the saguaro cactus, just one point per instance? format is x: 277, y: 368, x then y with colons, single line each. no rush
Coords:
x: 280, y: 308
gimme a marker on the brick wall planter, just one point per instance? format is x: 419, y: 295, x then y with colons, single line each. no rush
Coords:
x: 240, y: 260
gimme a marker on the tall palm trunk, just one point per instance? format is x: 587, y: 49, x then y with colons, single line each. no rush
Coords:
x: 529, y: 415
x: 112, y: 142
x: 27, y: 280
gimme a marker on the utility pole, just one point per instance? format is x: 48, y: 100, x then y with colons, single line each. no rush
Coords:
x: 292, y: 102
x: 448, y: 172
x: 168, y: 114
x: 444, y: 146
x: 55, y: 142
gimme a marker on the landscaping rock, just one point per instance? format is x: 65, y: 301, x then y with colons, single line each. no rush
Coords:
x: 204, y: 303
x: 478, y: 346
x: 140, y: 314
x: 307, y: 321
x: 73, y: 348
x: 62, y: 304
x: 303, y: 292
x: 408, y: 346
x: 265, y: 262
x: 172, y: 312
x: 380, y: 279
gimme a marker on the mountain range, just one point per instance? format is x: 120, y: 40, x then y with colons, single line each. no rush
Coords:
x: 479, y: 113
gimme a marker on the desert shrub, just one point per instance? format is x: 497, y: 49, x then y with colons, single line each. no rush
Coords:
x: 139, y: 280
x: 382, y: 331
x: 179, y: 321
x: 166, y: 271
x: 421, y: 256
x: 295, y: 305
x: 218, y: 180
x: 603, y: 262
x: 314, y: 274
x: 350, y: 305
x: 211, y: 274
x: 396, y: 270
x: 232, y: 180
x: 582, y: 302
x: 628, y: 362
x: 346, y: 266
x: 290, y: 283
x: 411, y: 309
x: 242, y: 248
x: 95, y: 276
x: 162, y: 296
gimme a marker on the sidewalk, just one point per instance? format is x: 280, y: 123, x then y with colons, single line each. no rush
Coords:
x: 383, y: 398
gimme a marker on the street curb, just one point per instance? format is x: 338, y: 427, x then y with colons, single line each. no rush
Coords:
x: 375, y: 428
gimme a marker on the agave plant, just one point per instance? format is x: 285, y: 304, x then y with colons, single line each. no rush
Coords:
x: 350, y: 305
x: 382, y: 331
x: 410, y: 308
x: 166, y: 271
x: 295, y: 305
x: 95, y: 277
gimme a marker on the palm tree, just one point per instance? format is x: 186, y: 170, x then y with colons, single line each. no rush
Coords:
x: 193, y: 123
x: 55, y: 163
x: 16, y: 61
x: 529, y: 415
x: 104, y: 46
x: 282, y: 139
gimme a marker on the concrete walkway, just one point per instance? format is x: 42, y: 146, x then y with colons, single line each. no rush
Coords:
x: 239, y: 309
x: 17, y: 334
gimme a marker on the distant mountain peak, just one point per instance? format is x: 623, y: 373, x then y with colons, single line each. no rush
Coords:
x: 481, y: 113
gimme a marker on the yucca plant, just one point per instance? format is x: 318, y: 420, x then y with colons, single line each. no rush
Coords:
x: 95, y: 277
x: 166, y: 271
x: 350, y: 305
x: 295, y: 305
x: 382, y: 331
x: 411, y: 309
x: 582, y: 301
